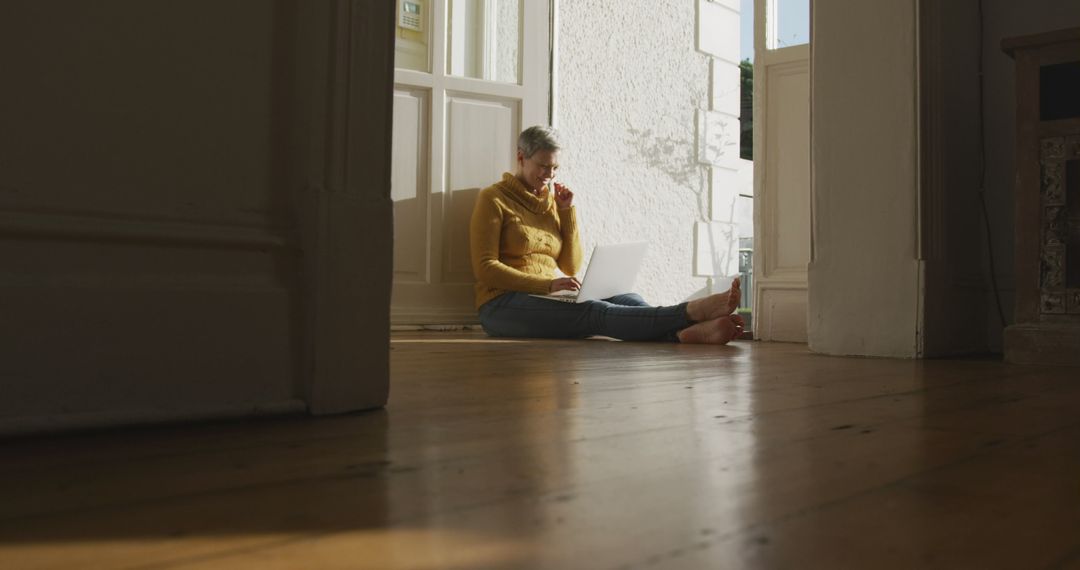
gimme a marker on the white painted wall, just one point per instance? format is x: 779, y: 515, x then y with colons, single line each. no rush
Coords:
x: 875, y: 252
x: 864, y: 274
x: 634, y: 103
x: 865, y: 277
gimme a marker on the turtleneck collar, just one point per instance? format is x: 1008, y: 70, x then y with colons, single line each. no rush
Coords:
x: 516, y: 191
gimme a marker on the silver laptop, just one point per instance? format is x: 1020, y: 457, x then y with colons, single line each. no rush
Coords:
x: 612, y: 271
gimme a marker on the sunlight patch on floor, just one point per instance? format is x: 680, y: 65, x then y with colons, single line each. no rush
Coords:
x: 459, y: 341
x: 420, y: 549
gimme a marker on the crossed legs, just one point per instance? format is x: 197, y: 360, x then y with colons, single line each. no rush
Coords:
x: 715, y: 321
x: 628, y: 317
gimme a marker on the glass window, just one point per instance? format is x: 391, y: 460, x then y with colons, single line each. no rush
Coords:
x: 412, y: 33
x: 789, y: 23
x: 1059, y: 91
x: 746, y: 277
x: 746, y: 30
x: 484, y: 39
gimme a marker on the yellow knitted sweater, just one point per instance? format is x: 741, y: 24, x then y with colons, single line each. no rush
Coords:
x: 518, y: 239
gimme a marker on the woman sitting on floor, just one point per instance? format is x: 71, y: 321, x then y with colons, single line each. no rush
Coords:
x: 521, y: 231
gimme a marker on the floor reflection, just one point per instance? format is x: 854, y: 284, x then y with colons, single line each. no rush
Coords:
x: 553, y: 454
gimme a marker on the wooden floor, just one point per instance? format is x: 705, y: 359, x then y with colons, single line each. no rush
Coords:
x: 586, y: 454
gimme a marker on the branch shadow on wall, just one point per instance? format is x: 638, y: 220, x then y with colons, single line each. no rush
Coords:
x: 672, y: 156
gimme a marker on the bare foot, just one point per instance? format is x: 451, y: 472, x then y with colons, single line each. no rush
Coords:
x: 717, y: 331
x: 716, y: 305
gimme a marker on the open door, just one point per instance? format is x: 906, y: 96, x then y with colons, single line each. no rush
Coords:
x: 781, y: 168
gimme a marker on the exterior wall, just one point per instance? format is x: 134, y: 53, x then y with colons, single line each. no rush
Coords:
x: 507, y: 34
x: 649, y: 117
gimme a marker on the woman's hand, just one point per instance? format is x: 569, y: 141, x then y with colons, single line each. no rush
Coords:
x: 564, y: 198
x: 564, y: 284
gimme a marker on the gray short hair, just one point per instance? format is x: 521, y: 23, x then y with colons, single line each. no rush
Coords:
x: 537, y: 138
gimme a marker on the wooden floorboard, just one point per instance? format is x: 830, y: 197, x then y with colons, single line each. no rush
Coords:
x: 584, y: 454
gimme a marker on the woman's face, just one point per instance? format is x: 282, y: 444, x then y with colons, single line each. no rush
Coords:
x: 539, y: 169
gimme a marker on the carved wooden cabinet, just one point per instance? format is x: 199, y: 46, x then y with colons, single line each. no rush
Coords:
x: 1047, y: 316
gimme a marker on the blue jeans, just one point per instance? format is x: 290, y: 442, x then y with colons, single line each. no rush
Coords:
x: 625, y: 317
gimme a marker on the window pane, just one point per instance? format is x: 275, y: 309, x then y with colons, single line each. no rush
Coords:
x: 484, y: 39
x: 1059, y: 91
x: 790, y: 24
x: 746, y: 30
x: 413, y: 27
